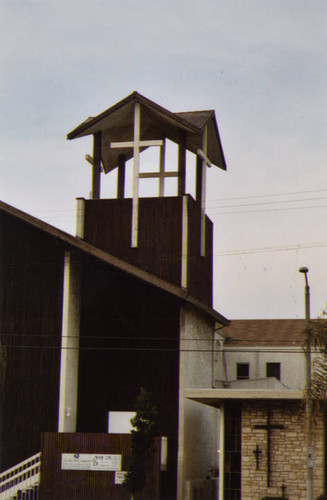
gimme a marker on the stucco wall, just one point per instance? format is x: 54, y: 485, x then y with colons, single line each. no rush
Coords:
x: 292, y: 363
x: 288, y: 451
x: 197, y: 448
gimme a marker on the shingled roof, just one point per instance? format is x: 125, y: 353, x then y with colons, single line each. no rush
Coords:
x: 262, y: 332
x: 116, y: 124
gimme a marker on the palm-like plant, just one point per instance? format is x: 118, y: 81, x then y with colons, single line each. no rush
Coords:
x: 316, y: 339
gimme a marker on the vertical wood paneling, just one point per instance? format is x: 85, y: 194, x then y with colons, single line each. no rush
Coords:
x: 91, y: 485
x: 129, y: 339
x: 31, y: 266
x: 199, y: 268
x: 108, y: 224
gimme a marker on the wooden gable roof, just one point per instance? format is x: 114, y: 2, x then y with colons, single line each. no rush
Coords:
x: 157, y: 123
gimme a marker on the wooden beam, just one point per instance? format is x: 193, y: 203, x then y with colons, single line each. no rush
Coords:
x: 203, y: 154
x: 136, y: 167
x: 96, y: 170
x: 204, y: 157
x: 198, y: 186
x: 130, y: 144
x: 181, y: 164
x: 121, y: 177
x: 162, y: 161
x: 157, y: 175
x: 184, y: 276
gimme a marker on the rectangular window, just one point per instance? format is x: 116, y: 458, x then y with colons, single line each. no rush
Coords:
x: 273, y: 370
x: 242, y: 371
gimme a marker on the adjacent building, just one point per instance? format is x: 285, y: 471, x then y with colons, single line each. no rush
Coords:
x: 259, y: 394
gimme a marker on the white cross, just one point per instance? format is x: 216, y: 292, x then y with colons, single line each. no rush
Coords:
x: 205, y: 162
x: 136, y: 144
x: 90, y: 160
x: 161, y: 175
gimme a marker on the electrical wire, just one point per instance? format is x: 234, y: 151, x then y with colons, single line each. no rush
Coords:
x: 247, y: 251
x: 150, y: 349
x: 276, y: 202
x: 270, y: 195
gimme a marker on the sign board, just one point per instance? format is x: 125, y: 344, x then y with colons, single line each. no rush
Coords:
x: 119, y: 422
x: 120, y: 476
x: 89, y: 461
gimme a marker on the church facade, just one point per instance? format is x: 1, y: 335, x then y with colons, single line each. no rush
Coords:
x: 88, y: 320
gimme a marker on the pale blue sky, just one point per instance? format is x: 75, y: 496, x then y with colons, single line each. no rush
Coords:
x: 261, y: 64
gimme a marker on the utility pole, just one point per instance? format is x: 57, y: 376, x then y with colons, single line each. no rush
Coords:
x: 310, y: 451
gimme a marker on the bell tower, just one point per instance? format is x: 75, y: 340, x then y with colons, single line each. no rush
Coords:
x: 168, y: 236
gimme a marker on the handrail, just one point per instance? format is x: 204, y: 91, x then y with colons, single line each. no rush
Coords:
x: 21, y: 464
x: 23, y: 476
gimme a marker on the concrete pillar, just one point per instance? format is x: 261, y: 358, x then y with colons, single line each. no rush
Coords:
x: 80, y: 213
x: 70, y: 344
x: 181, y: 409
x: 221, y: 452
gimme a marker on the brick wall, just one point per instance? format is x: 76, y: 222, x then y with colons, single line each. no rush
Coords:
x: 287, y: 451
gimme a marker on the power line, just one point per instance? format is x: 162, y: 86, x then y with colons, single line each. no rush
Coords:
x: 153, y: 349
x: 268, y: 210
x: 270, y: 202
x: 247, y: 251
x: 271, y: 195
x: 137, y: 339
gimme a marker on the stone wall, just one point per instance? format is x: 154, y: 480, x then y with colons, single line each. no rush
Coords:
x: 287, y: 451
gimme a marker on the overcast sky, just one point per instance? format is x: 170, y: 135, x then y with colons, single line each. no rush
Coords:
x: 260, y: 64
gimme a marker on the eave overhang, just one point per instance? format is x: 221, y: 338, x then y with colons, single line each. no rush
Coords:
x: 217, y: 397
x: 157, y: 123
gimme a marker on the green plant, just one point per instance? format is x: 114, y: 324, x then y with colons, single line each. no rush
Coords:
x: 145, y: 425
x: 317, y: 390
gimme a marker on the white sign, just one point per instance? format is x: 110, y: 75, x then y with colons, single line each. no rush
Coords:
x: 120, y: 476
x: 119, y: 422
x: 89, y: 461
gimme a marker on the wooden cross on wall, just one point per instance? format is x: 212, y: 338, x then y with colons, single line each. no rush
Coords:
x: 268, y: 427
x: 257, y: 453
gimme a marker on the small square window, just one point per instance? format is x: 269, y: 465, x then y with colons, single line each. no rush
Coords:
x: 242, y: 371
x: 273, y: 370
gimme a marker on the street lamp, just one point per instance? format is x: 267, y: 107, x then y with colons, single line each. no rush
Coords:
x: 310, y: 454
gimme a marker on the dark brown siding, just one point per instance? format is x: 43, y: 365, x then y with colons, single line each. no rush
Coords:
x: 108, y: 226
x: 199, y: 268
x: 129, y: 339
x: 30, y: 325
x: 91, y: 485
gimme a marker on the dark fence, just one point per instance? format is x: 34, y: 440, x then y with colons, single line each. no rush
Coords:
x: 59, y: 483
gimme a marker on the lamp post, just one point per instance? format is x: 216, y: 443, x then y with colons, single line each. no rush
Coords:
x: 310, y: 454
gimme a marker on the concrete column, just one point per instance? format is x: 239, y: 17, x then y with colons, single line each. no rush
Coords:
x: 221, y: 452
x: 80, y: 212
x: 70, y: 344
x: 181, y: 409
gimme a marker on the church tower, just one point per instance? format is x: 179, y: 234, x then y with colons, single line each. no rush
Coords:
x: 167, y: 236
